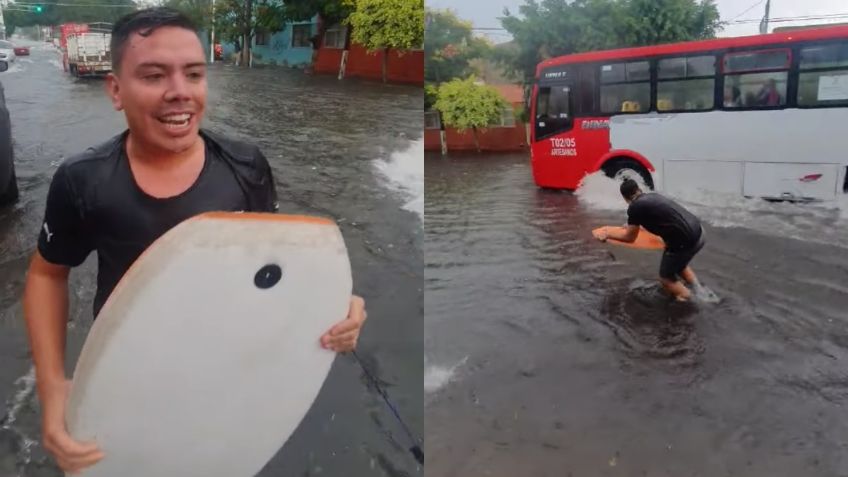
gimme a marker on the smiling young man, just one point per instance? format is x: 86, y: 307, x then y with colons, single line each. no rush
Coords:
x: 118, y: 197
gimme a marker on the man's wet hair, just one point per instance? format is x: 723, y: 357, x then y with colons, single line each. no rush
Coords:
x: 145, y: 22
x: 629, y: 188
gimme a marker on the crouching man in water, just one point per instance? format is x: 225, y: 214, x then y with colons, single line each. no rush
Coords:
x: 680, y: 230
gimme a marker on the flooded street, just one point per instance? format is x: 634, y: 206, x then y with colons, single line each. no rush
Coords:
x: 548, y: 353
x: 349, y: 150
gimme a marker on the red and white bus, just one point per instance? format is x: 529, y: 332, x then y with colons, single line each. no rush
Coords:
x: 758, y: 116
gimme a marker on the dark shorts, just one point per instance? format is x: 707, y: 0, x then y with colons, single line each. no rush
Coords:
x: 674, y: 262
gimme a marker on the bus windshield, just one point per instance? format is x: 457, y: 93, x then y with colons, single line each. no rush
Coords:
x: 553, y: 112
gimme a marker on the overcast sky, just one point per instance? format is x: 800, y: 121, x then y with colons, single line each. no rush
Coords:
x: 485, y: 13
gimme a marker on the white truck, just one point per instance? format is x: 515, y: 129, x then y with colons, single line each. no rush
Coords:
x: 88, y: 54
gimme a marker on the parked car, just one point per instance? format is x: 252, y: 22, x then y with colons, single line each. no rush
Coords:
x: 8, y: 181
x: 21, y: 50
x: 7, y: 51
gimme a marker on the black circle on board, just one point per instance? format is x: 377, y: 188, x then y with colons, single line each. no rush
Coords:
x: 268, y: 276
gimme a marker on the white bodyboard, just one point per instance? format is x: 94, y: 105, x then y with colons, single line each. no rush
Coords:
x: 206, y: 356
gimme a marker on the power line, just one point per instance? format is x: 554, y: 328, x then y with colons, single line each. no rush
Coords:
x: 836, y: 16
x: 747, y: 10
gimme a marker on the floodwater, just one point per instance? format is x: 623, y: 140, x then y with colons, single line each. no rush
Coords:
x: 350, y: 150
x: 548, y: 353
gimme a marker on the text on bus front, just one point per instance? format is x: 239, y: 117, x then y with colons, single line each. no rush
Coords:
x: 563, y: 146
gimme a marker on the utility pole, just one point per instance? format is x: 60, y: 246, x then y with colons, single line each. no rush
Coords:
x: 765, y: 20
x: 246, y: 53
x: 212, y: 40
x: 2, y: 21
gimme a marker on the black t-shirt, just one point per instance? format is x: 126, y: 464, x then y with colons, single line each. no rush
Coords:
x: 95, y: 204
x: 661, y: 216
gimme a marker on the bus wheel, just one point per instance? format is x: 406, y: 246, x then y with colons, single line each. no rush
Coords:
x: 621, y: 169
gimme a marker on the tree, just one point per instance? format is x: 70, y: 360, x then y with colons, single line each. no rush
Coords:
x: 239, y: 20
x: 664, y: 21
x: 450, y: 46
x: 559, y: 27
x: 199, y: 11
x: 385, y: 24
x: 465, y: 104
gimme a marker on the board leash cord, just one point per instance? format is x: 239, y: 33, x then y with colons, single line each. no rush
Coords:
x: 416, y: 450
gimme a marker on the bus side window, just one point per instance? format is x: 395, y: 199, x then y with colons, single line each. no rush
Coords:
x: 756, y: 79
x: 586, y: 90
x: 625, y: 87
x: 823, y: 76
x: 686, y: 83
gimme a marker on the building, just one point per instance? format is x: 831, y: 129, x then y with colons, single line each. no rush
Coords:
x: 290, y: 47
x: 336, y: 55
x: 403, y: 66
x: 507, y: 134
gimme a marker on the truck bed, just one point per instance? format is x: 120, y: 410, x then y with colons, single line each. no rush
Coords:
x: 89, y: 54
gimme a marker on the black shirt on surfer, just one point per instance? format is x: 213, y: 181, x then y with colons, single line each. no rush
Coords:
x: 681, y: 231
x: 661, y: 216
x: 95, y: 205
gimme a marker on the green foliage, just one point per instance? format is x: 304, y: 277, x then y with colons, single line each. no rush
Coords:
x: 270, y: 16
x: 522, y: 114
x: 559, y: 27
x: 233, y: 21
x: 380, y: 24
x: 431, y: 94
x: 665, y: 21
x: 200, y: 11
x: 464, y: 104
x: 449, y: 45
x: 331, y: 11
